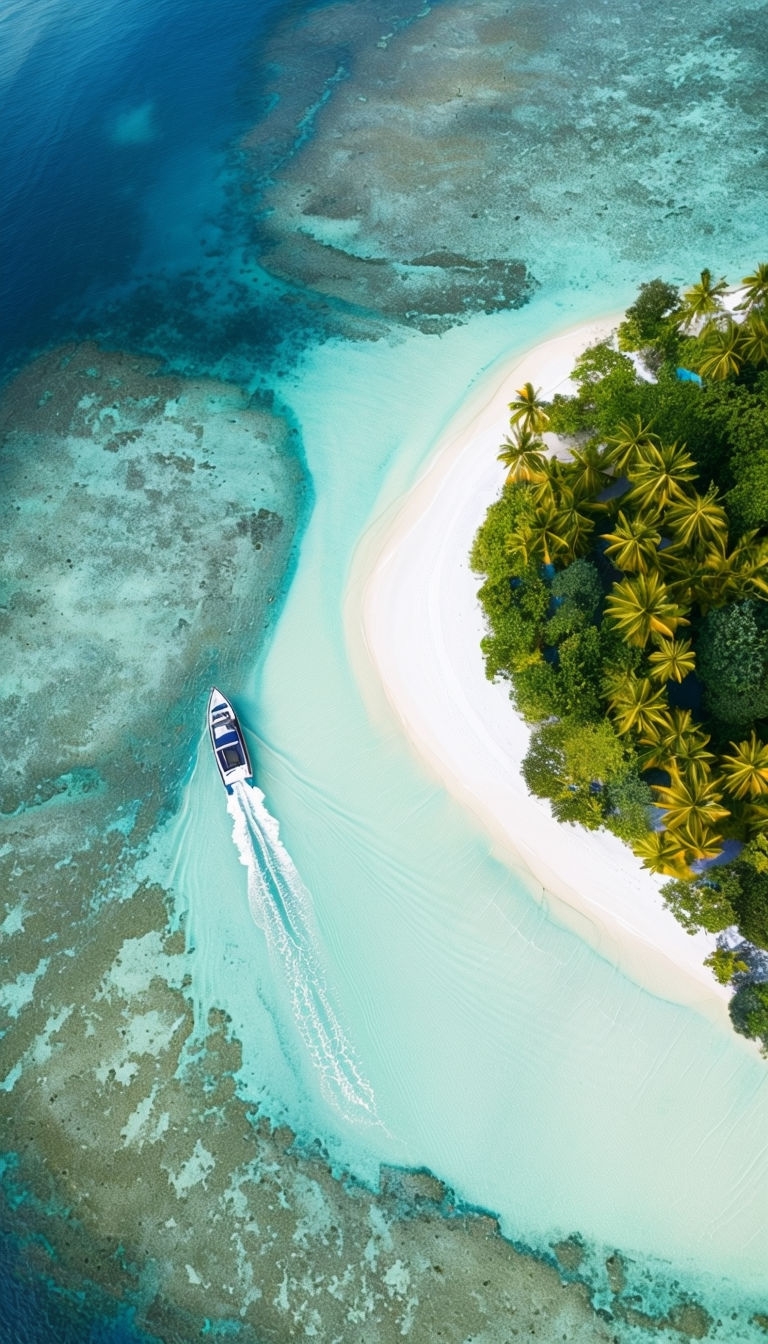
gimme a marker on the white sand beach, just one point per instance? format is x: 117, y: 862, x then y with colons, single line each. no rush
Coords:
x: 412, y: 598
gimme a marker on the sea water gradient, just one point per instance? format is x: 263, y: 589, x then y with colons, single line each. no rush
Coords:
x: 502, y: 1051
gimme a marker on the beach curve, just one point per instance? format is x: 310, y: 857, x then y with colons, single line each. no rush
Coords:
x: 414, y: 627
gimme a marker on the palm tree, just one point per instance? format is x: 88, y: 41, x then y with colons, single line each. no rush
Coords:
x: 681, y: 571
x: 587, y: 470
x: 660, y: 476
x: 691, y: 802
x: 736, y: 574
x: 755, y: 817
x: 547, y: 489
x: 662, y: 852
x: 756, y: 288
x: 674, y: 737
x: 636, y: 704
x: 703, y: 300
x: 672, y: 731
x: 750, y: 558
x: 643, y: 606
x: 527, y: 410
x: 693, y: 755
x: 699, y: 521
x: 721, y: 352
x: 628, y: 438
x: 543, y: 536
x: 524, y: 455
x: 672, y: 660
x: 700, y: 842
x: 633, y: 542
x: 696, y: 767
x: 754, y: 339
x: 575, y: 523
x: 746, y: 771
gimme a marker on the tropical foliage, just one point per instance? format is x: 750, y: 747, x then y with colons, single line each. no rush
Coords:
x: 626, y: 595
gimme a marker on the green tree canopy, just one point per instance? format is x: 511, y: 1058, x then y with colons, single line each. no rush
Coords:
x: 577, y: 592
x: 705, y: 903
x: 733, y: 663
x: 627, y: 596
x: 649, y: 323
x: 725, y: 964
x: 749, y: 1012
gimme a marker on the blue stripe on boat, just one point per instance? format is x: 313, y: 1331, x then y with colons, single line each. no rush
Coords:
x: 226, y: 739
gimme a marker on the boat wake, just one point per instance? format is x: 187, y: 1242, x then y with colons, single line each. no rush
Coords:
x: 282, y: 907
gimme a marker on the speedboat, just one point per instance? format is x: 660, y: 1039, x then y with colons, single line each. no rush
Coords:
x: 227, y: 741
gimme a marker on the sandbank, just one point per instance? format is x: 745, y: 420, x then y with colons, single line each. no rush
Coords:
x: 414, y: 626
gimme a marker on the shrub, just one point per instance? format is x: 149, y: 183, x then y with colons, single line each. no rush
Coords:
x: 749, y: 1012
x: 704, y: 903
x: 732, y: 662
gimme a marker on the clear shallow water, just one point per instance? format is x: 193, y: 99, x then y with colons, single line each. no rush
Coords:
x: 502, y: 1052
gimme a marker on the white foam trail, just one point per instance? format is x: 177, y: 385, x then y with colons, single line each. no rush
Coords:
x: 282, y: 907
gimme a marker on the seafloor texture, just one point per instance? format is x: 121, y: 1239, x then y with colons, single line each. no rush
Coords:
x: 433, y: 164
x: 140, y: 1172
x: 412, y: 168
x: 148, y: 521
x: 147, y: 525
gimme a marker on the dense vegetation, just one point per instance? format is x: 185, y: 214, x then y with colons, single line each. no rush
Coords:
x: 626, y: 594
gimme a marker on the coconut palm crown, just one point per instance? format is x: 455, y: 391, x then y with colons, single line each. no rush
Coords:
x: 524, y: 454
x: 643, y: 606
x: 633, y: 543
x: 673, y: 660
x: 703, y: 300
x: 698, y: 521
x: 755, y: 288
x: 629, y: 438
x: 745, y: 770
x: 661, y: 476
x: 528, y: 410
x: 753, y: 345
x: 722, y: 352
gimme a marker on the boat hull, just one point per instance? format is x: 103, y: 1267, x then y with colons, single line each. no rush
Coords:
x: 227, y: 740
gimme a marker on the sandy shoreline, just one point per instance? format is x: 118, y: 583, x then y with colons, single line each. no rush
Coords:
x: 414, y: 628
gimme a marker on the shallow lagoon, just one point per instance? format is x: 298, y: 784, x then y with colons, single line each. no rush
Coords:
x: 504, y: 1053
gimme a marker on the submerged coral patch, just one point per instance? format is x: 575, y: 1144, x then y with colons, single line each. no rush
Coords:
x: 548, y: 142
x: 147, y: 522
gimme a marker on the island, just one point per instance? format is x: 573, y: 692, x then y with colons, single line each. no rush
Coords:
x: 626, y: 599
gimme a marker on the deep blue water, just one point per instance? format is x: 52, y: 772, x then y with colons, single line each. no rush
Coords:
x: 33, y: 1311
x: 101, y: 104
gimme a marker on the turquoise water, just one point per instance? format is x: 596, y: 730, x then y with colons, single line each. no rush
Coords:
x: 503, y: 1052
x: 488, y: 1042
